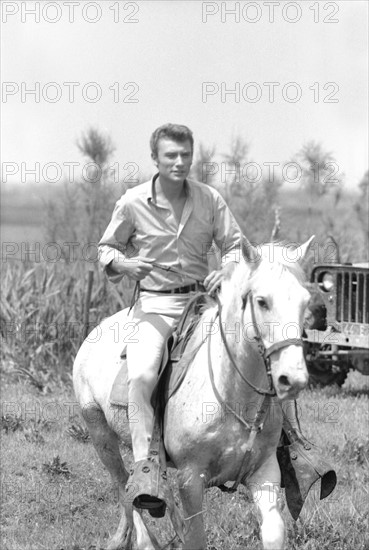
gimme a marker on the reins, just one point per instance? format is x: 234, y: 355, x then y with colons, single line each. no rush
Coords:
x: 261, y: 347
x: 258, y: 423
x: 254, y: 428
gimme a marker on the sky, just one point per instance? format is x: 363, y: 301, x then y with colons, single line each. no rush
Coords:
x: 128, y: 67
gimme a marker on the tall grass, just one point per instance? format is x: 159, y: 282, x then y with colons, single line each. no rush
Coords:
x: 42, y: 315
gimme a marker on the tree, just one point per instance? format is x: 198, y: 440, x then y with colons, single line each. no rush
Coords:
x: 319, y: 170
x: 96, y: 146
x: 203, y: 167
x: 95, y: 186
x: 252, y: 196
x: 320, y: 177
x: 364, y: 187
x: 232, y: 172
x: 362, y: 206
x: 79, y: 211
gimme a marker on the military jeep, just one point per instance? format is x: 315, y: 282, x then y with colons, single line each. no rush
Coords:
x: 336, y: 337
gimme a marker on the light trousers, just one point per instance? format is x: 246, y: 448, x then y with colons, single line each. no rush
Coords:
x: 155, y: 316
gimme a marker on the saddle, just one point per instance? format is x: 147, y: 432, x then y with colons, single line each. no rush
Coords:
x: 173, y: 371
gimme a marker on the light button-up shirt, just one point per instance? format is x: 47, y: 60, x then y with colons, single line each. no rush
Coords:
x: 143, y: 226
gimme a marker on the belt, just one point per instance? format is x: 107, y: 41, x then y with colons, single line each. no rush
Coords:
x: 179, y: 290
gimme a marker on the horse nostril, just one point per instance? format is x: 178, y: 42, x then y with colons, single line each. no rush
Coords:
x: 283, y: 380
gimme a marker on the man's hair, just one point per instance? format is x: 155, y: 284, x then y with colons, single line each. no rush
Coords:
x: 177, y: 132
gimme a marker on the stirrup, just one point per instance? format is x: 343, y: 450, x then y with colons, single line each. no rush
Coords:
x: 147, y: 486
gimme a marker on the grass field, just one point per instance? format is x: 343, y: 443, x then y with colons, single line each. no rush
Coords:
x: 57, y: 495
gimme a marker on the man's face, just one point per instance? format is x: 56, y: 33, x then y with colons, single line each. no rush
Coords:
x: 174, y: 159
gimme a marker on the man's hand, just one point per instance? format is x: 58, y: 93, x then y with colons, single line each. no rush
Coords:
x: 135, y: 268
x: 213, y: 281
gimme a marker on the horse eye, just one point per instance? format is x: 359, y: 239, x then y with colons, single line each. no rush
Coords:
x: 262, y: 303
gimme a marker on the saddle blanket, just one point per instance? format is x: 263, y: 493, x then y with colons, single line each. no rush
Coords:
x: 119, y: 390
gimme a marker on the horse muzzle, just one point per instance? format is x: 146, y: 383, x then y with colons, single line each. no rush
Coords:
x: 288, y: 386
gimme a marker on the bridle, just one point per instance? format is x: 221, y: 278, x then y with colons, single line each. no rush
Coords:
x: 258, y: 423
x: 265, y: 353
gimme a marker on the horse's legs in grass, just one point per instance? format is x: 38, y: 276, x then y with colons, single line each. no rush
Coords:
x: 191, y: 488
x: 105, y: 441
x: 145, y: 539
x: 265, y: 494
x: 272, y: 528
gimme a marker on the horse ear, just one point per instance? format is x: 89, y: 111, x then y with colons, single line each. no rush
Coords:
x: 304, y: 248
x: 251, y: 254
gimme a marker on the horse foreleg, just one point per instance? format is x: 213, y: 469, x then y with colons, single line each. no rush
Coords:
x: 105, y: 441
x: 191, y: 488
x: 122, y: 538
x: 146, y: 540
x: 266, y: 496
x: 272, y: 529
x: 123, y: 535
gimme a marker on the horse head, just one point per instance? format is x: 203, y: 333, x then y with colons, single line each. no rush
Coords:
x: 274, y: 300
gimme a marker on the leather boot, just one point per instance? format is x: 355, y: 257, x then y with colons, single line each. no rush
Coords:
x: 300, y: 463
x: 147, y: 486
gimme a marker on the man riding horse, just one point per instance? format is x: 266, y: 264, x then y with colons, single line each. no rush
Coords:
x: 159, y: 236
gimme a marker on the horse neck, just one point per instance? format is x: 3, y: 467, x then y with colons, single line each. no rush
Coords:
x: 245, y: 354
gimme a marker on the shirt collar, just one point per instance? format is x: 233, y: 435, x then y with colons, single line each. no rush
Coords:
x: 151, y: 194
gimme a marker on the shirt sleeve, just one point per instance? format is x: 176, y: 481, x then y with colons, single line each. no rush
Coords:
x: 116, y: 239
x: 227, y: 233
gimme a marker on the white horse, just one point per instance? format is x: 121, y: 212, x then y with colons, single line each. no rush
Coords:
x: 223, y: 423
